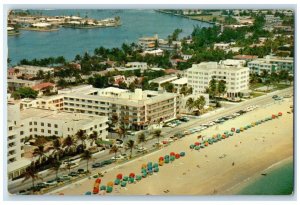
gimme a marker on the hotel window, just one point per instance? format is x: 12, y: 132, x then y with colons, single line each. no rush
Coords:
x: 42, y: 124
x: 35, y: 129
x: 30, y: 123
x: 49, y: 131
x: 35, y: 123
x: 49, y: 125
x: 21, y: 132
x: 42, y: 130
x: 56, y: 132
x: 56, y: 126
x: 30, y: 130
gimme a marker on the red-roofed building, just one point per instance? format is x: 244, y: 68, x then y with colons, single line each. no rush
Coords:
x: 176, y: 61
x: 171, y: 71
x: 245, y: 57
x: 13, y: 73
x: 45, y: 88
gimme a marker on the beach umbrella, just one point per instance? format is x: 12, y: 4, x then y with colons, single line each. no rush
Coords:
x: 96, y: 186
x: 253, y: 124
x: 125, y: 178
x: 131, y: 180
x: 144, y: 175
x: 111, y: 184
x: 138, y: 177
x: 280, y: 114
x: 132, y: 175
x: 161, y: 163
x: 215, y: 136
x: 156, y: 169
x: 172, y: 154
x: 197, y: 147
x: 219, y: 135
x: 143, y: 170
x: 202, y: 146
x: 226, y: 132
x: 246, y: 127
x: 223, y: 136
x: 150, y: 171
x: 161, y: 159
x: 167, y: 156
x: 155, y: 165
x: 192, y: 146
x: 206, y: 144
x: 172, y: 158
x: 273, y: 116
x: 231, y: 133
x: 144, y: 166
x: 149, y: 164
x: 167, y: 161
x: 215, y: 140
x: 233, y: 129
x: 88, y: 193
x: 119, y: 176
x: 182, y: 154
x: 210, y: 141
x: 117, y: 181
x: 237, y: 131
x: 249, y: 126
x: 103, y: 187
x: 197, y: 143
x: 109, y: 189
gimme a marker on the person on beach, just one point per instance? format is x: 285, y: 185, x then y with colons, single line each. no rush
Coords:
x: 232, y: 163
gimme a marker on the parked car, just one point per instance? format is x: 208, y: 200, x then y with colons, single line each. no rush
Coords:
x: 70, y: 165
x: 42, y: 185
x: 184, y: 119
x: 107, y: 162
x: 80, y: 171
x: 119, y: 157
x: 51, y: 182
x: 141, y: 149
x: 73, y: 174
x: 65, y: 177
x: 275, y: 96
x: 97, y: 164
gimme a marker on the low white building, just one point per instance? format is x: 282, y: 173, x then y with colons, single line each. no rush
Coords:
x: 40, y: 122
x: 14, y: 84
x: 235, y: 76
x: 221, y: 46
x: 164, y: 79
x: 179, y: 83
x: 32, y: 70
x: 139, y: 65
x: 271, y: 64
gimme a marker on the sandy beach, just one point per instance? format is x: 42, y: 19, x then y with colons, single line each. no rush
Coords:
x: 219, y: 169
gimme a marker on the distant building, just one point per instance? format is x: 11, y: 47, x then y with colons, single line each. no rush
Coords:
x: 179, y: 83
x: 14, y: 84
x: 45, y: 88
x: 236, y: 77
x: 32, y: 70
x: 273, y: 20
x: 157, y: 52
x: 186, y: 56
x: 148, y: 43
x: 245, y: 57
x: 221, y: 46
x: 271, y: 64
x: 164, y: 79
x: 137, y: 65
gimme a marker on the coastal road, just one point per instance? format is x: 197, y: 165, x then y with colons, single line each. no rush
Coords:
x: 261, y: 101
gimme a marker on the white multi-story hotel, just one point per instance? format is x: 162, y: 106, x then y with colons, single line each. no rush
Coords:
x: 236, y: 77
x: 40, y: 122
x: 271, y: 64
x: 136, y: 109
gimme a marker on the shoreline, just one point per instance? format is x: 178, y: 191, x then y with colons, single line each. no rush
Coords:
x: 204, y: 172
x: 234, y: 190
x: 184, y: 16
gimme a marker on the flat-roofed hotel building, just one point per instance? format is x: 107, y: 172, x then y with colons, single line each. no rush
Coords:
x: 136, y: 109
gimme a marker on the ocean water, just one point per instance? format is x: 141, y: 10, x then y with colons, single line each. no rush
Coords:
x: 278, y: 181
x: 68, y: 42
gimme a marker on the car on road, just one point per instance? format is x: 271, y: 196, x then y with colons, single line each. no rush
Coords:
x: 41, y: 185
x: 24, y: 192
x: 275, y: 96
x: 107, y: 162
x: 97, y: 164
x: 141, y: 149
x: 80, y: 171
x: 73, y: 174
x: 70, y: 165
x: 51, y: 182
x: 236, y: 114
x: 119, y: 157
x: 184, y: 119
x: 65, y: 177
x: 211, y: 123
x: 278, y: 98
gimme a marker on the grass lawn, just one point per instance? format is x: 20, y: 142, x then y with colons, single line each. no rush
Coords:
x: 256, y: 85
x: 282, y: 86
x: 256, y: 94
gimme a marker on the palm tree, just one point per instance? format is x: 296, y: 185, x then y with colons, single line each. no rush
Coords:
x: 122, y: 131
x: 130, y: 145
x: 40, y: 152
x: 81, y: 135
x: 93, y: 137
x: 221, y: 89
x: 189, y: 104
x: 157, y: 134
x: 86, y: 155
x: 114, y: 149
x: 31, y: 172
x: 56, y: 164
x: 141, y: 138
x: 57, y: 147
x: 199, y: 103
x: 69, y: 144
